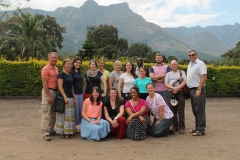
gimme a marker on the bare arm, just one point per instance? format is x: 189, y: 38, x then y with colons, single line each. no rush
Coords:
x: 137, y: 114
x: 120, y: 88
x: 46, y: 89
x: 110, y: 82
x: 104, y: 84
x: 121, y: 112
x: 161, y: 114
x: 157, y: 77
x: 201, y: 83
x: 61, y: 90
x: 84, y: 108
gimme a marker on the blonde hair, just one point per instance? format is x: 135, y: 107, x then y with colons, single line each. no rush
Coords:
x: 66, y: 60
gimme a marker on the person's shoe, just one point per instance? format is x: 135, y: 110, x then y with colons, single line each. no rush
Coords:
x: 172, y: 129
x: 47, y: 138
x: 181, y: 131
x: 53, y: 133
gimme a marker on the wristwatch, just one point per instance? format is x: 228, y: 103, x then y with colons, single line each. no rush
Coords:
x: 199, y: 89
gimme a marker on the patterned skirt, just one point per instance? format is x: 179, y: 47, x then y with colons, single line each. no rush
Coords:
x: 66, y: 121
x: 137, y: 130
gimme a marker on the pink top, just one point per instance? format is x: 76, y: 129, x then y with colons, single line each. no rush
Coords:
x: 140, y: 104
x: 93, y: 111
x: 159, y: 70
x: 51, y: 74
x: 154, y: 104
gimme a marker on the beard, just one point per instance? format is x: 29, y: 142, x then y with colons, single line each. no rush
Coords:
x: 159, y: 62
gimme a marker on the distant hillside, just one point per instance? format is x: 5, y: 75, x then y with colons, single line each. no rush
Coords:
x: 214, y: 40
x: 170, y: 41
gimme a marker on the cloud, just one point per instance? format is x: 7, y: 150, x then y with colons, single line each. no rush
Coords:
x: 165, y: 13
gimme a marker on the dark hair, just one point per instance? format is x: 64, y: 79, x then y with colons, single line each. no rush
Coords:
x: 132, y: 70
x: 136, y: 88
x: 143, y: 68
x: 149, y: 84
x: 117, y: 102
x: 95, y: 88
x: 75, y: 60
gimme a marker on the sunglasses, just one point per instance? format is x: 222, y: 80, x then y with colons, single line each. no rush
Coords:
x: 191, y: 55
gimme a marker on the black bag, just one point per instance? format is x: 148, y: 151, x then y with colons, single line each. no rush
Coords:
x: 59, y: 105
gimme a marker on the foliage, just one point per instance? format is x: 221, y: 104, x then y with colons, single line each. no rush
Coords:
x: 22, y: 78
x: 232, y: 57
x: 139, y: 50
x: 30, y: 36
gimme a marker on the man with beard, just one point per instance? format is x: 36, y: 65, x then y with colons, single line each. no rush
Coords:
x: 157, y: 73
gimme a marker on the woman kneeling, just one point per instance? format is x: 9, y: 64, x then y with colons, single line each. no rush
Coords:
x: 92, y: 126
x: 138, y: 119
x: 162, y: 123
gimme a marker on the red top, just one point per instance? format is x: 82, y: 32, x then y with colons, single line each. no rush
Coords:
x: 93, y: 110
x: 51, y: 74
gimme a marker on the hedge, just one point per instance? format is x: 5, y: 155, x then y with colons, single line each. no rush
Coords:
x: 21, y: 78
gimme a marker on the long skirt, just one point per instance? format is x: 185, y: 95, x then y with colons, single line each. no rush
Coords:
x: 162, y: 129
x: 94, y: 131
x: 66, y: 120
x: 120, y: 131
x: 78, y: 108
x: 137, y: 130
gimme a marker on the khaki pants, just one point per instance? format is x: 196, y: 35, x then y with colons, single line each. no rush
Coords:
x: 48, y: 115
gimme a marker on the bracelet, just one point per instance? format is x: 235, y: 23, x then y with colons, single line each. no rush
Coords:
x: 98, y: 118
x: 89, y: 120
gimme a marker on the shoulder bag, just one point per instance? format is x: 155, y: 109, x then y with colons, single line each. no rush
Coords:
x: 59, y: 105
x: 185, y: 89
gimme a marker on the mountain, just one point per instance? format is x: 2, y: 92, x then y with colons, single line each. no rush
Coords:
x: 214, y: 40
x: 210, y: 42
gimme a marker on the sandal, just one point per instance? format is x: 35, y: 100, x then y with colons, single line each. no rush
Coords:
x: 197, y: 133
x: 192, y: 131
x: 65, y: 136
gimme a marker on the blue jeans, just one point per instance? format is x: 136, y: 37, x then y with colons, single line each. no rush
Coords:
x: 164, y: 95
x: 162, y: 129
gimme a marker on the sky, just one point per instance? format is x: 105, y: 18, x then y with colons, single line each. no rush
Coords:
x: 165, y: 13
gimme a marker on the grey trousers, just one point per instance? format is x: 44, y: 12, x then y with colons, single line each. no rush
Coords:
x: 198, y: 109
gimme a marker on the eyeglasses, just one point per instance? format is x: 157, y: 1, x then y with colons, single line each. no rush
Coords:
x: 191, y: 55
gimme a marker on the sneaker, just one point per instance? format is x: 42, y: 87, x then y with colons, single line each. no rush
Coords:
x: 47, y: 138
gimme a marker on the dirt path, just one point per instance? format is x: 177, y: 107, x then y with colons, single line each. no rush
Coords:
x: 21, y: 138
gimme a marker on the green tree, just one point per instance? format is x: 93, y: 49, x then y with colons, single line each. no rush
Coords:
x: 232, y: 57
x: 170, y: 58
x: 139, y: 50
x: 89, y: 50
x: 122, y: 46
x: 28, y: 35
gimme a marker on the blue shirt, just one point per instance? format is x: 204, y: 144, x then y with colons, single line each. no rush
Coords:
x: 142, y: 83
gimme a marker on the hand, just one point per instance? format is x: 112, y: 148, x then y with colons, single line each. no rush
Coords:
x: 198, y: 93
x: 97, y: 121
x: 66, y: 100
x: 74, y: 100
x: 142, y: 120
x: 157, y: 122
x: 50, y: 100
x: 129, y: 120
x: 114, y: 123
x: 103, y: 94
x: 121, y: 98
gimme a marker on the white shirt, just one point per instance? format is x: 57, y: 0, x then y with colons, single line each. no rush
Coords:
x: 128, y: 82
x: 194, y: 72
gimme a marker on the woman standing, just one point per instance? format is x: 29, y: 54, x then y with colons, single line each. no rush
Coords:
x: 162, y: 114
x: 114, y: 110
x: 105, y: 73
x: 65, y: 121
x: 93, y: 78
x: 126, y: 79
x: 138, y: 119
x: 92, y: 126
x: 115, y: 75
x: 142, y: 82
x: 78, y: 89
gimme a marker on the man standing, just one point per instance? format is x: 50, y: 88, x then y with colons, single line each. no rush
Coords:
x: 174, y: 81
x: 49, y: 75
x: 196, y: 78
x: 140, y: 64
x: 157, y: 73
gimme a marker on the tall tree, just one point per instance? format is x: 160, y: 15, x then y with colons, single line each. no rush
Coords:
x: 232, y: 57
x: 139, y: 50
x: 28, y: 35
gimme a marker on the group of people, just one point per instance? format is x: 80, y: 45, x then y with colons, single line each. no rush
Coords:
x: 121, y: 103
